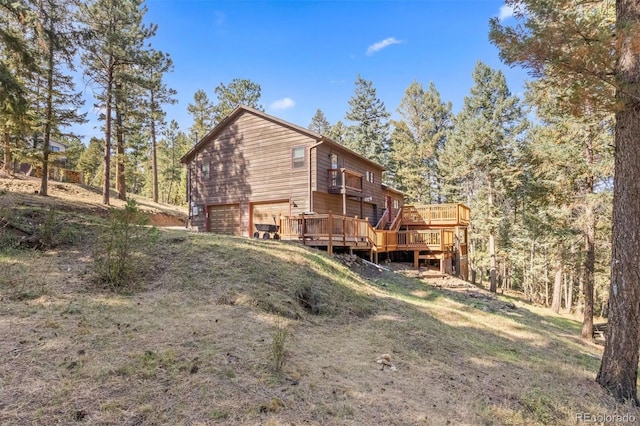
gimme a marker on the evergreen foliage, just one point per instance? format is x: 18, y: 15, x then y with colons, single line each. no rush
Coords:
x: 479, y: 160
x: 238, y: 92
x: 319, y: 123
x: 416, y: 141
x: 369, y: 133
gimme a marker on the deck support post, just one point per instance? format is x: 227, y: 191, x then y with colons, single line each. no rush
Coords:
x: 344, y: 203
x: 416, y: 259
x: 330, y: 225
x: 344, y: 231
x: 442, y: 263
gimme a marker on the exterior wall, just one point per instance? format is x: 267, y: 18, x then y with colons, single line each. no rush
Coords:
x: 249, y: 161
x: 324, y: 203
x: 374, y: 190
x: 395, y: 197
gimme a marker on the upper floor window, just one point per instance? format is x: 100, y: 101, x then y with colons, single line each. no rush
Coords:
x: 396, y: 204
x: 336, y: 162
x: 55, y: 148
x: 297, y: 157
x: 369, y: 176
x: 206, y: 173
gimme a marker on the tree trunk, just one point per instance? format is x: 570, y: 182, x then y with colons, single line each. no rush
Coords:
x: 471, y: 259
x: 154, y: 158
x: 7, y: 150
x: 546, y: 279
x: 492, y: 244
x: 619, y: 369
x: 569, y: 301
x: 556, y: 301
x: 47, y: 123
x: 589, y: 271
x: 580, y: 307
x: 120, y: 173
x: 107, y: 143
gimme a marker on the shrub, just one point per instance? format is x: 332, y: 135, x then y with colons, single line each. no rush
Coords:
x: 278, y: 338
x: 117, y: 260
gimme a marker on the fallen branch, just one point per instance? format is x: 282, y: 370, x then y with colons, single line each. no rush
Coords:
x: 4, y: 223
x: 382, y: 268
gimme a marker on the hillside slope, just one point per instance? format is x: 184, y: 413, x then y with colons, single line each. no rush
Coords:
x: 192, y: 341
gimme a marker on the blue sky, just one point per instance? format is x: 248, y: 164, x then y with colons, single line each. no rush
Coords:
x: 306, y: 54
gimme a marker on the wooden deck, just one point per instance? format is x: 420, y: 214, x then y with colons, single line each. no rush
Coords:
x: 429, y: 231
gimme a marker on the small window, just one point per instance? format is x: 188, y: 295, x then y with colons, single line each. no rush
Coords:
x: 55, y: 149
x: 205, y: 171
x: 396, y: 204
x: 297, y: 157
x: 369, y: 176
x: 335, y: 161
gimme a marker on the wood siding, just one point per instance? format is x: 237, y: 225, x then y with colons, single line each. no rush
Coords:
x: 250, y: 161
x: 247, y: 160
x: 352, y: 162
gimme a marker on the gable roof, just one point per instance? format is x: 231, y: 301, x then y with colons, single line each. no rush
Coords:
x: 240, y: 109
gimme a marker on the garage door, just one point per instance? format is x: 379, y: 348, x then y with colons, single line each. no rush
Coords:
x: 225, y: 219
x: 264, y: 212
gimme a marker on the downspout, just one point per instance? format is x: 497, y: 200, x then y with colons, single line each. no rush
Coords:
x: 311, y: 174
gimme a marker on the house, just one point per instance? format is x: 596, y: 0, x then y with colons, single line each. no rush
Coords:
x: 253, y: 167
x: 254, y: 170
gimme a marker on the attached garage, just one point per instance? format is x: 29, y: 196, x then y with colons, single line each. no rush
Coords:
x: 224, y: 219
x: 264, y: 212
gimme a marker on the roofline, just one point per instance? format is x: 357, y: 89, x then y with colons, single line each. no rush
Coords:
x: 317, y: 136
x: 392, y: 189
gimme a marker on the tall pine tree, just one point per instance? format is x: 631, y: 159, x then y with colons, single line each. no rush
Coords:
x: 416, y: 142
x: 369, y: 133
x: 591, y: 48
x: 478, y: 161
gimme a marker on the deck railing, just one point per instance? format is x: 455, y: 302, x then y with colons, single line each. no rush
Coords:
x: 436, y: 214
x: 434, y: 239
x: 337, y: 230
x: 344, y: 179
x: 329, y: 227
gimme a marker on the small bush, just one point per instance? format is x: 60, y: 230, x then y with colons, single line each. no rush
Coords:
x: 116, y: 257
x: 278, y: 339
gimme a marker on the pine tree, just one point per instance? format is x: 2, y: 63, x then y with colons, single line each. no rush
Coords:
x: 416, y: 142
x: 319, y: 123
x: 16, y: 63
x: 238, y: 92
x: 158, y: 93
x: 91, y: 159
x: 599, y: 64
x: 369, y: 134
x: 58, y: 107
x: 479, y: 156
x: 337, y: 132
x: 202, y: 111
x: 114, y: 37
x: 174, y: 145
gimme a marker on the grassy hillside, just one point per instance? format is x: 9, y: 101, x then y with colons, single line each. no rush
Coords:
x: 191, y: 342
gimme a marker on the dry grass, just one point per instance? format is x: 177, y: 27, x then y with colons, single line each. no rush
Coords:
x: 193, y: 344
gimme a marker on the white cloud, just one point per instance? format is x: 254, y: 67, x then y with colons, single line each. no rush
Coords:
x: 381, y: 45
x: 285, y: 103
x: 505, y: 12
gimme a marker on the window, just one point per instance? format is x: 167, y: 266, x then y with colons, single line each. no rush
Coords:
x: 335, y: 161
x: 396, y: 204
x: 55, y: 148
x: 369, y: 176
x: 297, y: 157
x: 205, y: 171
